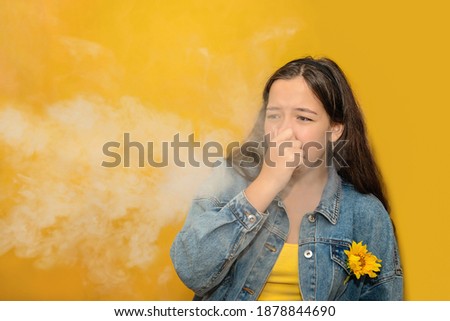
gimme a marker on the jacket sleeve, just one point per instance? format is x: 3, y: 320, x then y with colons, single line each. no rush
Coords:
x: 213, y: 236
x: 388, y: 285
x: 381, y: 240
x: 385, y: 289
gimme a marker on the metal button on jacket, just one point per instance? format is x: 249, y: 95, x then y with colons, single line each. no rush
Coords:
x: 252, y: 218
x: 311, y: 218
x: 308, y: 254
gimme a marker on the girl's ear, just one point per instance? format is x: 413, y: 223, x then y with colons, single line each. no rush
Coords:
x: 336, y: 131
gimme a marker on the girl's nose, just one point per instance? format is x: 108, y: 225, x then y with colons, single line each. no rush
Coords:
x: 287, y: 123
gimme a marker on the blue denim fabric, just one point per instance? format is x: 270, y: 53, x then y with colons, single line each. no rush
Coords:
x: 227, y: 249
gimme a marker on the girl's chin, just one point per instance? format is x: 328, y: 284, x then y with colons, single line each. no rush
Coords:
x: 303, y: 168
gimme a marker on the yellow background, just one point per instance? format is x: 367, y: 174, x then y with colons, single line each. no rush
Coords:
x: 76, y: 74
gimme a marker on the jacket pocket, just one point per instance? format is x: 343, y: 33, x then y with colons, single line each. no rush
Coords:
x: 340, y: 269
x: 338, y: 255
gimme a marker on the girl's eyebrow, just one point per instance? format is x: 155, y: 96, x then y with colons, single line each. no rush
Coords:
x: 306, y: 110
x: 303, y: 109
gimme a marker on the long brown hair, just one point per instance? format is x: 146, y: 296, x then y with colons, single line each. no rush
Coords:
x: 329, y: 83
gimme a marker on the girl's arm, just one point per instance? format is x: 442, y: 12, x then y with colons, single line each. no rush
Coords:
x: 216, y: 231
x: 374, y: 226
x: 212, y: 238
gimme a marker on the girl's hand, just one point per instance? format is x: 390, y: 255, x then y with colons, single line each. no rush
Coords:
x: 283, y: 156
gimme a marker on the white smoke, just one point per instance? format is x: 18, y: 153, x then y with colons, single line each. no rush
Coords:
x: 63, y: 208
x: 68, y: 209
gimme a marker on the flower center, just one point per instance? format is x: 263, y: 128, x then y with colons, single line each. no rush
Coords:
x: 362, y: 260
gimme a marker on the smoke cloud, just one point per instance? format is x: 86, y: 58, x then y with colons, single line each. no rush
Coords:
x: 65, y: 208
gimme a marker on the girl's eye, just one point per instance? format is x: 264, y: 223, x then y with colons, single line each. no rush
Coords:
x: 272, y: 116
x: 305, y: 119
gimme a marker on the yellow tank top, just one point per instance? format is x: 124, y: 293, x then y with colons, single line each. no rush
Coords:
x: 283, y: 283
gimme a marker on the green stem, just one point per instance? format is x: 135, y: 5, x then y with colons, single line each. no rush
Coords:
x: 347, y: 279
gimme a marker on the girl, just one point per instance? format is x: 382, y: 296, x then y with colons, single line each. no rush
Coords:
x: 302, y: 217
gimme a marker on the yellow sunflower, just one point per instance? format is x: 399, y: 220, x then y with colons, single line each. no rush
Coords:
x: 362, y: 262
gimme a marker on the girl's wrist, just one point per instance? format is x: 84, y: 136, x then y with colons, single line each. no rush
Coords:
x: 260, y: 193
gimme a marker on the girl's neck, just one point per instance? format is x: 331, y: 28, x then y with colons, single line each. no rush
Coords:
x: 307, y: 180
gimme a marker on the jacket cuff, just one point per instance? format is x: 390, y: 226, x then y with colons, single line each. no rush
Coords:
x: 244, y: 211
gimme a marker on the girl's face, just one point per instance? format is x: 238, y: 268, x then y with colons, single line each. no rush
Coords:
x: 292, y: 104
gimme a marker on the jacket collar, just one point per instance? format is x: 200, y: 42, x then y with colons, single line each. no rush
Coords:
x: 331, y: 196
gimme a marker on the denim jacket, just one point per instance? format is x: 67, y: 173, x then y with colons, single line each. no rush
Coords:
x: 227, y: 249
